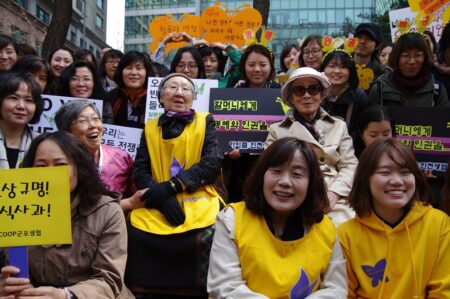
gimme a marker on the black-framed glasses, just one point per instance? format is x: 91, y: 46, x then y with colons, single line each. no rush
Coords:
x: 312, y: 90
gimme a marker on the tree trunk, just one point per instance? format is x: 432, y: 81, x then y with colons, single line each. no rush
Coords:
x: 263, y: 6
x: 57, y: 30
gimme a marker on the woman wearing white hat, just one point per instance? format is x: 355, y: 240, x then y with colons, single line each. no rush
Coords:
x: 306, y: 120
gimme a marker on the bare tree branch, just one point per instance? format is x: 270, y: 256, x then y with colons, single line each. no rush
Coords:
x: 57, y: 30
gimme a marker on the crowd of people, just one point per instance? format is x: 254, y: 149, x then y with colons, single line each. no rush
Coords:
x: 334, y: 207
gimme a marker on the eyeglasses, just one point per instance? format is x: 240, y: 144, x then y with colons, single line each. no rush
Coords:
x: 175, y: 88
x: 189, y: 66
x: 81, y: 80
x: 313, y: 51
x: 88, y: 120
x: 113, y: 61
x: 312, y: 90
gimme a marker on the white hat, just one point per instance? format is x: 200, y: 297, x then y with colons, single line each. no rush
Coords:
x: 303, y: 72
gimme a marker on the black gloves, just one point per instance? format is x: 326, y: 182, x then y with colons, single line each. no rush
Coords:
x: 161, y: 196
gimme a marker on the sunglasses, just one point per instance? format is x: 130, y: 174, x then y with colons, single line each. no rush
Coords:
x: 312, y: 90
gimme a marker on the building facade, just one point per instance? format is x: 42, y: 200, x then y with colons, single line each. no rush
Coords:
x: 290, y: 19
x: 27, y: 21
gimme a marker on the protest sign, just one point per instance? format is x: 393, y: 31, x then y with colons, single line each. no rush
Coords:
x: 125, y: 138
x: 35, y: 206
x: 201, y: 104
x: 426, y: 131
x: 406, y: 14
x: 51, y: 105
x: 243, y: 116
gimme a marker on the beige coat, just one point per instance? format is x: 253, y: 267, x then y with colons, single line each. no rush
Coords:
x: 94, y: 265
x: 334, y: 149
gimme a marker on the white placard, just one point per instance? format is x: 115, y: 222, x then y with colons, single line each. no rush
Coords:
x: 436, y: 27
x: 125, y: 138
x: 153, y: 109
x: 51, y: 105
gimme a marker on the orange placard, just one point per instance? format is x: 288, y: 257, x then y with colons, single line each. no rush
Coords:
x: 163, y: 25
x: 425, y: 8
x: 223, y: 25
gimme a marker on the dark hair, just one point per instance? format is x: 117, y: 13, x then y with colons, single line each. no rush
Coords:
x: 433, y: 40
x: 10, y: 83
x: 360, y: 198
x: 130, y: 58
x: 310, y: 38
x: 347, y: 62
x: 6, y: 40
x: 370, y: 114
x: 259, y: 49
x: 444, y: 43
x: 111, y: 54
x: 285, y: 52
x: 83, y: 53
x: 405, y: 42
x: 160, y: 69
x: 25, y: 49
x: 197, y: 57
x: 64, y: 48
x: 279, y: 153
x: 32, y: 64
x: 89, y: 187
x: 208, y: 51
x: 64, y: 80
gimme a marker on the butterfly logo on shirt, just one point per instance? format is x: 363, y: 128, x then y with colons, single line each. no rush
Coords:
x: 376, y: 272
x: 302, y: 288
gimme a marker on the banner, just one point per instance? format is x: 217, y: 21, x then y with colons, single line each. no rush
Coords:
x: 436, y: 27
x: 125, y: 138
x: 426, y: 131
x: 51, y: 105
x: 201, y: 104
x: 243, y: 116
x: 35, y: 206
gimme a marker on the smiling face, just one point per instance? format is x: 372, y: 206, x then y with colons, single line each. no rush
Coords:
x: 392, y: 187
x: 133, y: 75
x: 17, y: 109
x: 312, y: 55
x: 285, y: 187
x: 8, y: 57
x: 48, y: 153
x: 88, y: 128
x: 291, y: 57
x: 411, y: 62
x: 187, y: 65
x: 257, y: 69
x: 307, y: 105
x: 177, y: 95
x: 60, y: 60
x: 337, y: 73
x: 366, y: 45
x: 376, y: 130
x: 81, y: 85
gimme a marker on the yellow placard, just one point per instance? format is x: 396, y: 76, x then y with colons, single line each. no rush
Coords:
x: 426, y: 8
x: 35, y: 206
x: 226, y: 26
x: 163, y: 25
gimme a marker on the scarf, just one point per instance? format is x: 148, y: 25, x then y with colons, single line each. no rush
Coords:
x: 410, y: 85
x: 309, y: 125
x: 27, y: 137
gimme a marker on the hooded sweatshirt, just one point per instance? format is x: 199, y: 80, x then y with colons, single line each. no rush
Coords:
x: 411, y: 260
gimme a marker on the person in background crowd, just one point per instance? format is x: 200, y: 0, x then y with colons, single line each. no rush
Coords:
x: 188, y: 61
x: 410, y: 83
x: 311, y: 52
x: 385, y: 51
x: 306, y: 120
x: 8, y: 52
x: 25, y: 49
x: 398, y: 245
x: 279, y: 243
x: 35, y: 67
x: 289, y: 55
x: 442, y: 66
x: 373, y: 123
x: 344, y: 98
x: 213, y: 59
x: 93, y: 265
x: 160, y: 70
x: 86, y: 55
x: 82, y: 119
x: 59, y: 59
x: 431, y: 41
x: 129, y: 98
x: 108, y: 66
x: 178, y: 160
x: 369, y: 38
x: 20, y: 105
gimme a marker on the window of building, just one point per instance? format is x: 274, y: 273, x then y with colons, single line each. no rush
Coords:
x: 98, y: 22
x: 42, y: 15
x: 81, y: 43
x: 73, y: 36
x: 19, y: 35
x: 91, y: 49
x: 79, y: 5
x: 100, y: 4
x: 23, y: 3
